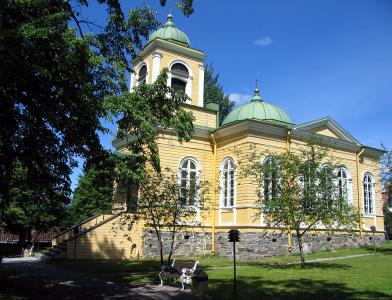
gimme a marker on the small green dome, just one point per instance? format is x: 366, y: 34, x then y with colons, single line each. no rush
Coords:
x: 171, y: 33
x: 257, y: 109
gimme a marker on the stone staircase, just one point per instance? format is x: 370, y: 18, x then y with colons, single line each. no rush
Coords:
x: 57, y: 251
x: 60, y: 241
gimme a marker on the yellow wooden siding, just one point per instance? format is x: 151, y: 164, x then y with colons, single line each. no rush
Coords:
x: 203, y: 117
x: 108, y: 241
x: 173, y: 152
x: 227, y: 217
x: 325, y: 131
x: 166, y: 59
x: 237, y: 146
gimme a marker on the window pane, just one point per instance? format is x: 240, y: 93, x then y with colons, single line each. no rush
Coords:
x: 227, y: 183
x: 178, y: 85
x: 180, y: 70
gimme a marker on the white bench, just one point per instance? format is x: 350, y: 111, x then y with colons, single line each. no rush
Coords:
x: 179, y: 268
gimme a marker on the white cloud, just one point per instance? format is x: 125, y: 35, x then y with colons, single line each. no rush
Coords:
x: 263, y: 42
x: 240, y: 98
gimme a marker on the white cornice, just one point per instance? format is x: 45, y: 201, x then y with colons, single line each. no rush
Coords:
x: 373, y: 152
x: 170, y: 46
x: 252, y: 126
x: 330, y: 124
x: 203, y: 133
x: 330, y: 141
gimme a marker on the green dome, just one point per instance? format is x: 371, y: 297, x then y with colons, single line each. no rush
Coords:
x: 257, y: 109
x: 170, y: 32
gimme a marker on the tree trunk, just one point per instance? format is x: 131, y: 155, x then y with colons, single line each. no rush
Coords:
x: 171, y: 246
x: 161, y: 251
x: 160, y: 245
x: 301, y: 251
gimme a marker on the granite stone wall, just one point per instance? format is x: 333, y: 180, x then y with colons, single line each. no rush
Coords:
x: 255, y: 245
x: 252, y: 245
x: 187, y: 243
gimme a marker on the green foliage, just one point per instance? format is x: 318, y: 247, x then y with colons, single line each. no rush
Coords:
x: 94, y: 192
x: 30, y: 208
x: 213, y: 93
x: 160, y: 206
x: 386, y: 168
x: 54, y: 82
x: 386, y: 178
x: 145, y: 111
x: 298, y: 190
x: 387, y: 219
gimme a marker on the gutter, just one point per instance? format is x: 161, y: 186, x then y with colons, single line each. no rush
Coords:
x: 358, y: 190
x: 213, y: 197
x: 288, y: 144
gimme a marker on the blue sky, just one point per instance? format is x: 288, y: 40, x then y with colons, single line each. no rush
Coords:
x: 313, y: 58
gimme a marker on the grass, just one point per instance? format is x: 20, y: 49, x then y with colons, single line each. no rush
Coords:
x: 366, y: 277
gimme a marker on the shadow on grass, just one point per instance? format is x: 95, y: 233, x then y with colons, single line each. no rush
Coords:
x: 52, y: 281
x: 109, y: 266
x: 296, y: 266
x: 250, y: 288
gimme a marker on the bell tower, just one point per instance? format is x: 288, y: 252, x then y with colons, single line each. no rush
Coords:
x: 169, y: 47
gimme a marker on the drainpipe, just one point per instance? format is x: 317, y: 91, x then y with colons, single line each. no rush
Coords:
x: 288, y: 140
x: 213, y: 197
x: 359, y: 191
x: 288, y: 144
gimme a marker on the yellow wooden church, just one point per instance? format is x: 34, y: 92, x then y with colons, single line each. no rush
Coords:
x: 211, y: 154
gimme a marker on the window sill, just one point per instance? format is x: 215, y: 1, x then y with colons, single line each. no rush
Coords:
x: 227, y: 208
x: 372, y: 215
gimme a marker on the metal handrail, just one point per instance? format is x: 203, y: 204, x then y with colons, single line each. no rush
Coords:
x: 43, y: 237
x: 76, y: 225
x: 95, y: 226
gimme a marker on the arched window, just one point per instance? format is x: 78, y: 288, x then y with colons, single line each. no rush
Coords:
x: 270, y: 179
x: 189, y: 181
x: 368, y: 193
x: 142, y: 76
x: 343, y: 183
x: 179, y: 77
x: 227, y: 182
x: 326, y: 184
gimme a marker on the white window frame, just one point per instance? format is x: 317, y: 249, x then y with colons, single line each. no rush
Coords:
x: 188, y: 81
x: 349, y: 187
x: 266, y: 160
x: 372, y: 194
x: 228, y: 191
x: 137, y: 74
x: 197, y: 176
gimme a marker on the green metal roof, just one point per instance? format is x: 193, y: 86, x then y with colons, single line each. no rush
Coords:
x: 257, y: 109
x: 171, y: 33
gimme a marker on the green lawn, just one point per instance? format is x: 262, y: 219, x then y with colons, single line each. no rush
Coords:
x: 367, y: 277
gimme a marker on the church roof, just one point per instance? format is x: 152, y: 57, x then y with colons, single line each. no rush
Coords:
x: 171, y: 33
x: 258, y: 109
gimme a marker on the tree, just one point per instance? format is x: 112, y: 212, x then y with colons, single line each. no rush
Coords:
x: 29, y: 208
x: 386, y: 170
x: 299, y: 190
x: 54, y: 81
x: 94, y: 192
x: 386, y: 178
x: 163, y: 207
x: 149, y: 109
x: 213, y: 93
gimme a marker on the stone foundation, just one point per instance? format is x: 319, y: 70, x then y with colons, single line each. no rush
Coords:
x: 187, y: 243
x: 252, y: 245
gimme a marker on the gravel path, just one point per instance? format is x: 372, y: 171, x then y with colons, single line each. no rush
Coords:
x: 33, y: 279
